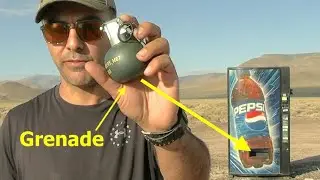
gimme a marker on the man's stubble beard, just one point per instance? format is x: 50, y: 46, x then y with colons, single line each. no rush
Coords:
x: 82, y: 81
x: 85, y: 81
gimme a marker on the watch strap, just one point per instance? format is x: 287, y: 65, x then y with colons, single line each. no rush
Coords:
x: 171, y: 135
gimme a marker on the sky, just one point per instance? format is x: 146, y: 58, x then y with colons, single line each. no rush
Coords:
x: 204, y: 36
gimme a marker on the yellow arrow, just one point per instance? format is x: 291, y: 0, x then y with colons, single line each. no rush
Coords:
x: 121, y: 92
x: 240, y: 144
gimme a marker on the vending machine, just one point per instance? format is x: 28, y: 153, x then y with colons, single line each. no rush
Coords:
x: 259, y: 110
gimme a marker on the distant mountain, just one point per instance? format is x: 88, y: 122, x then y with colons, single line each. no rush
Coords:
x: 11, y: 90
x: 3, y: 97
x: 203, y: 86
x: 304, y: 69
x: 40, y: 81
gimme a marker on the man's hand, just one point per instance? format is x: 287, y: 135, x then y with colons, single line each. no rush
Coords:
x: 189, y: 156
x: 150, y: 110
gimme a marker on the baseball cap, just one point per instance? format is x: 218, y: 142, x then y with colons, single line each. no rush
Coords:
x: 95, y: 4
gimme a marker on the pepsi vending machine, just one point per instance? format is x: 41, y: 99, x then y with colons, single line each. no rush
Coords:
x: 259, y: 110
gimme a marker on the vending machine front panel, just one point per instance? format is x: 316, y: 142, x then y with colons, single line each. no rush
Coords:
x: 257, y: 99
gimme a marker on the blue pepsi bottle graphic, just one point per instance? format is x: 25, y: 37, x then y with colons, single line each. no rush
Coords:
x: 250, y: 116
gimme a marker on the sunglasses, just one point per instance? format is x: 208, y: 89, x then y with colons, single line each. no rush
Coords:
x: 58, y: 32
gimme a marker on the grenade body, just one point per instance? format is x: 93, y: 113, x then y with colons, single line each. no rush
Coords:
x: 121, y: 62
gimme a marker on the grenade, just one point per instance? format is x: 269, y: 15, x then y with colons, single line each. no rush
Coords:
x: 120, y: 61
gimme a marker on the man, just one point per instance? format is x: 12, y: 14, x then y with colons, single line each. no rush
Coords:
x: 44, y: 137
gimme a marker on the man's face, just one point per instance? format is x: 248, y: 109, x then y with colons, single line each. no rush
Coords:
x: 70, y: 56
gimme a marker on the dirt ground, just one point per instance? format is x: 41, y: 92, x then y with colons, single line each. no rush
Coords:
x: 305, y: 135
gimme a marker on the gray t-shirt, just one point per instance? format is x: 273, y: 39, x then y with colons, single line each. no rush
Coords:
x: 125, y: 154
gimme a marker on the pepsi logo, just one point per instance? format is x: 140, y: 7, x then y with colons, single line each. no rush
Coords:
x: 248, y: 107
x: 256, y: 120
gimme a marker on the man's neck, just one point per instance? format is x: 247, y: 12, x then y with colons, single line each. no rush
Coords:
x: 82, y: 96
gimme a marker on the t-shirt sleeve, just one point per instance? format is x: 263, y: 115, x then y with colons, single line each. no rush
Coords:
x: 7, y: 168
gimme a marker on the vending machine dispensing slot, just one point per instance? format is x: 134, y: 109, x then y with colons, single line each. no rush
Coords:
x: 259, y: 153
x: 259, y: 111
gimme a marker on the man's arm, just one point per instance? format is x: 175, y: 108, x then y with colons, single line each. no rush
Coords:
x: 186, y: 158
x: 7, y: 170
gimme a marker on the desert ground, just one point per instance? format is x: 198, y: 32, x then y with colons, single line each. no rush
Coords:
x: 305, y: 142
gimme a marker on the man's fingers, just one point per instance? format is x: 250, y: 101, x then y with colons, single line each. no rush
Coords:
x: 154, y: 48
x: 128, y: 18
x: 159, y: 63
x: 102, y: 78
x: 148, y: 30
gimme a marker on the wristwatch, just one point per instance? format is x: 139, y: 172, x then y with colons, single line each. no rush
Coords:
x: 171, y: 135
